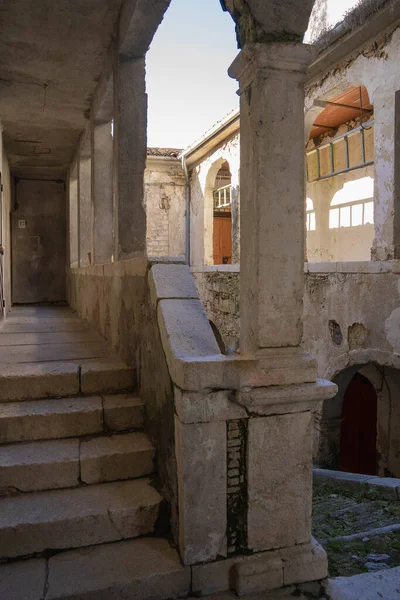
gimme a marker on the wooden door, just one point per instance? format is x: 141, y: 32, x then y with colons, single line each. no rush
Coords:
x: 223, y: 240
x: 359, y: 428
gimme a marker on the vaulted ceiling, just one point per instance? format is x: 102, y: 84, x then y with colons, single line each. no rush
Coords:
x: 51, y: 56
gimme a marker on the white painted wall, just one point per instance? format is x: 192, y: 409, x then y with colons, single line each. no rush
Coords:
x: 165, y: 199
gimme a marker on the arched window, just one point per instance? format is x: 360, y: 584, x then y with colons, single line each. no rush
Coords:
x: 353, y: 205
x: 310, y: 215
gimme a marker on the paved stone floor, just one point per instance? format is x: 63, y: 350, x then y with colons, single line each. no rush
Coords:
x: 35, y: 335
x: 360, y: 535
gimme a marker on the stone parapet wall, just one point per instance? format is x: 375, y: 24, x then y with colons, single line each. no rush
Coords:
x: 218, y: 289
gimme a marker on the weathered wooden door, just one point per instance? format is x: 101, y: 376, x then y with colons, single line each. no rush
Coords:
x: 222, y: 240
x: 38, y: 228
x: 359, y: 428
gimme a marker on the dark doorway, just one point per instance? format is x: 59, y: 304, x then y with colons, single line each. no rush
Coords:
x: 38, y: 242
x: 359, y: 427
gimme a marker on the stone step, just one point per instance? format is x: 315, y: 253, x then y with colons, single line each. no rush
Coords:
x: 147, y: 568
x: 44, y: 465
x: 68, y: 417
x: 52, y: 379
x: 34, y: 522
x: 116, y: 457
x: 57, y: 464
x: 50, y: 419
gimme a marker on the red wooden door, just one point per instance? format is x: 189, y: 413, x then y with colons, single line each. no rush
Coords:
x: 359, y: 428
x: 222, y: 240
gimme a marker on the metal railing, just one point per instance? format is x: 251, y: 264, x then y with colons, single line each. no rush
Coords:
x: 345, y: 137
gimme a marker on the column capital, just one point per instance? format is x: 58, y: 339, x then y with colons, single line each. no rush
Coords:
x: 289, y: 57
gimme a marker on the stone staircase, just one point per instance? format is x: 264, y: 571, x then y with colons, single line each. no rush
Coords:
x: 78, y: 511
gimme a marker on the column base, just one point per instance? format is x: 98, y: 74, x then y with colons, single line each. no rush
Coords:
x: 262, y: 572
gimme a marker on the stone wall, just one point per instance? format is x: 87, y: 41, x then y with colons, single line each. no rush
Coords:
x: 165, y: 199
x: 115, y: 299
x: 5, y: 234
x: 351, y: 318
x: 218, y: 289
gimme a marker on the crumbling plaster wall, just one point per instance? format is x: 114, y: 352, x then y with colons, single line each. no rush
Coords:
x: 165, y: 198
x: 342, y: 243
x: 202, y: 181
x: 352, y: 317
x: 364, y: 303
x: 376, y: 67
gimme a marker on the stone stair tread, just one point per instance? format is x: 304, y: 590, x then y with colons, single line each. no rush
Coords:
x: 122, y: 456
x: 82, y: 516
x: 52, y: 464
x: 52, y: 378
x: 141, y: 569
x: 31, y: 466
x: 50, y: 419
x: 115, y: 444
x: 146, y: 568
x: 123, y: 412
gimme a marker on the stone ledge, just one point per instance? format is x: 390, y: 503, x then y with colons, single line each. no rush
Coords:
x: 288, y: 398
x: 216, y: 269
x: 387, y: 488
x: 171, y: 282
x: 207, y: 407
x: 353, y: 267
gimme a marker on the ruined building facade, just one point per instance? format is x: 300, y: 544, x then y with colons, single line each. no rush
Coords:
x: 351, y: 292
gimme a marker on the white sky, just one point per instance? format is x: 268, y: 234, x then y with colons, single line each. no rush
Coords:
x: 337, y: 9
x: 187, y: 82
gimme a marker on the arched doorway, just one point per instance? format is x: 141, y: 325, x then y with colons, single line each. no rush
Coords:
x: 358, y: 434
x: 222, y: 219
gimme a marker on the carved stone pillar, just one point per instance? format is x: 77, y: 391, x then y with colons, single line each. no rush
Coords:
x: 130, y: 122
x: 271, y: 79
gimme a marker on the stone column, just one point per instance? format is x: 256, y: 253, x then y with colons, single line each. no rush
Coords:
x: 85, y: 210
x: 130, y: 149
x: 73, y: 223
x: 386, y: 245
x: 271, y: 79
x: 235, y: 206
x: 102, y: 190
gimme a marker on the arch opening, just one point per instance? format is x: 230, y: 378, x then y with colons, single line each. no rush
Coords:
x: 358, y: 432
x: 340, y: 177
x: 222, y: 216
x: 358, y: 429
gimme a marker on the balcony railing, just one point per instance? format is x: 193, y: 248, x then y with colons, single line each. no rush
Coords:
x: 358, y: 131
